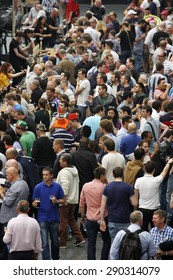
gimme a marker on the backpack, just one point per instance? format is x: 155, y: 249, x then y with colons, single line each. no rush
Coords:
x: 130, y: 246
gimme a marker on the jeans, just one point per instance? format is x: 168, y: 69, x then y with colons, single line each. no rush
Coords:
x: 163, y: 190
x: 92, y: 231
x: 115, y: 227
x: 138, y: 59
x: 49, y: 228
x: 124, y: 55
x: 67, y: 219
x: 83, y: 111
x: 169, y: 211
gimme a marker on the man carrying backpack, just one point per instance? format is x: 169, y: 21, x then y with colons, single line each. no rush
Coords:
x: 133, y: 244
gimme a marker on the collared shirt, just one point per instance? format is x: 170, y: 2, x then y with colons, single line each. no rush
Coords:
x: 160, y: 236
x: 146, y: 243
x: 91, y: 196
x: 23, y: 234
x: 47, y: 211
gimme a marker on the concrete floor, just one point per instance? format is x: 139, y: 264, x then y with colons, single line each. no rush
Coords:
x: 79, y: 253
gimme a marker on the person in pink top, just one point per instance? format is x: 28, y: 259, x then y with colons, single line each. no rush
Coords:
x: 90, y: 202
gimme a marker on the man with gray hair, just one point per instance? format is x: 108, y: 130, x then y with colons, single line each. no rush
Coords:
x: 29, y: 246
x: 37, y: 72
x: 147, y: 244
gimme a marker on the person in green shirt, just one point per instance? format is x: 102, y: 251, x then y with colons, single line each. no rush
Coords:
x: 26, y: 137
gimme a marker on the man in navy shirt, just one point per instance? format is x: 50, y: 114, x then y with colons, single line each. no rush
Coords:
x: 50, y: 194
x: 118, y: 197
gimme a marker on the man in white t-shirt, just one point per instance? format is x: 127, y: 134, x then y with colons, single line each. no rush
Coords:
x: 68, y: 92
x: 112, y: 159
x: 82, y: 91
x: 147, y: 191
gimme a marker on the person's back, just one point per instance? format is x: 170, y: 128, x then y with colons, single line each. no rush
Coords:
x: 146, y: 247
x: 90, y: 201
x: 118, y: 197
x: 28, y: 228
x: 85, y: 161
x: 112, y: 159
x: 134, y: 168
x: 129, y: 142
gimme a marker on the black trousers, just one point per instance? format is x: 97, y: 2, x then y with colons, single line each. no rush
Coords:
x: 3, y: 246
x: 147, y: 218
x: 93, y: 227
x: 21, y: 255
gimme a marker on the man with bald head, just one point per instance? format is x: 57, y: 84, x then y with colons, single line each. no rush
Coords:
x: 52, y: 23
x: 15, y: 164
x: 129, y: 143
x: 37, y: 71
x: 19, y: 190
x: 26, y: 166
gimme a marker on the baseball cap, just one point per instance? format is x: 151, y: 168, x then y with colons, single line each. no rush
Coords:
x: 164, y: 12
x: 131, y: 12
x: 22, y: 125
x: 73, y: 116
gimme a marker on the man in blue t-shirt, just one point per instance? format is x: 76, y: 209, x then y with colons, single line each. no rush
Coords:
x: 46, y: 197
x: 118, y: 197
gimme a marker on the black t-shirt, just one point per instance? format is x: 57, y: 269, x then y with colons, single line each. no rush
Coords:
x: 51, y: 21
x: 126, y: 40
x: 13, y: 58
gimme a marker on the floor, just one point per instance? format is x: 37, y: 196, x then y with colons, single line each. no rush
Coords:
x: 78, y: 253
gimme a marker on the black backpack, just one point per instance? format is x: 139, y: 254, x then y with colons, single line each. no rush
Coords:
x: 130, y: 246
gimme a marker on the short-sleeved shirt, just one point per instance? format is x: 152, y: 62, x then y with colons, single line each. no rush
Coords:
x: 26, y: 140
x: 118, y: 201
x: 47, y: 211
x: 148, y: 187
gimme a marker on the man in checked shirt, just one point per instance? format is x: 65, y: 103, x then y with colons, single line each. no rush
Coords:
x: 162, y: 233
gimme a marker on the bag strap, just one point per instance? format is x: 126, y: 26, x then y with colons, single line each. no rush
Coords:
x: 129, y: 42
x: 152, y: 130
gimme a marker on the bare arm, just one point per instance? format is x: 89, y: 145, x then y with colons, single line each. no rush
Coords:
x: 165, y: 128
x: 134, y: 200
x: 102, y: 213
x: 166, y: 168
x: 19, y: 55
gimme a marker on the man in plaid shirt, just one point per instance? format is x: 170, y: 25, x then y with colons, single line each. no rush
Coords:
x: 161, y: 232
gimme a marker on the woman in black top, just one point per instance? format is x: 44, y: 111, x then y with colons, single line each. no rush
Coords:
x: 127, y: 38
x: 42, y: 33
x: 42, y: 114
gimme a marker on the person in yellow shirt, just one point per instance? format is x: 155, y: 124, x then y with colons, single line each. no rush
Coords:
x: 6, y: 75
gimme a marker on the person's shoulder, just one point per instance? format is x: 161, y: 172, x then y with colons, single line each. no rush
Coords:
x: 170, y: 229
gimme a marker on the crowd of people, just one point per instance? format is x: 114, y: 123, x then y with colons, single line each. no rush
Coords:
x: 86, y: 145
